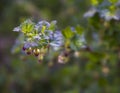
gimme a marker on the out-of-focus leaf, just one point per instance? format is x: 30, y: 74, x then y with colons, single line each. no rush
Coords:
x: 102, y: 81
x: 43, y: 29
x: 79, y: 29
x: 112, y: 8
x: 52, y: 25
x: 113, y: 1
x: 68, y: 33
x: 96, y: 2
x: 95, y: 21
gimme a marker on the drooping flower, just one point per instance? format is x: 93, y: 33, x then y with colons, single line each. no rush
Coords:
x: 45, y: 23
x: 40, y: 24
x: 56, y: 40
x: 91, y: 12
x: 17, y: 29
x: 107, y: 15
x: 30, y: 44
x: 37, y: 37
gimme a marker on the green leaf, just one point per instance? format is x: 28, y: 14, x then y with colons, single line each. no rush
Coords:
x: 112, y: 9
x: 113, y: 1
x: 95, y: 21
x: 96, y: 2
x: 27, y: 26
x: 79, y: 30
x: 43, y: 29
x: 67, y: 33
x: 52, y: 25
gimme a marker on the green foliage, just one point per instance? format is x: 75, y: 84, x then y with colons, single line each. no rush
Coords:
x: 27, y: 27
x: 53, y: 25
x: 79, y: 29
x: 96, y: 2
x: 68, y: 33
x: 113, y: 1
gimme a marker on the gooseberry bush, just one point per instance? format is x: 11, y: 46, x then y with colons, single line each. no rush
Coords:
x: 92, y: 47
x: 39, y: 38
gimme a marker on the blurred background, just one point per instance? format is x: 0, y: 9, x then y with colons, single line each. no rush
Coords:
x: 83, y: 74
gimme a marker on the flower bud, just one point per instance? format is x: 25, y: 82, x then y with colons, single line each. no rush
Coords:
x: 40, y: 58
x: 23, y: 48
x: 36, y: 52
x: 29, y: 51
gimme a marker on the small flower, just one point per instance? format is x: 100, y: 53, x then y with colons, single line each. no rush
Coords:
x: 17, y: 29
x: 57, y: 37
x: 43, y: 23
x: 30, y: 44
x: 118, y: 14
x: 37, y: 37
x: 56, y: 45
x: 38, y: 27
x: 50, y: 34
x: 54, y: 22
x: 57, y: 40
x: 107, y: 15
x: 90, y: 13
x: 46, y: 37
x: 73, y: 29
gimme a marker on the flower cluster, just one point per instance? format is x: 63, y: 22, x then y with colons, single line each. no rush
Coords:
x: 38, y: 37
